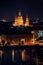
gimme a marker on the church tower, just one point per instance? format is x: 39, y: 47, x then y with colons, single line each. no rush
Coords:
x: 27, y: 21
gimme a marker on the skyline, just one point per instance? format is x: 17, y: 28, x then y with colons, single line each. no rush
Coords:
x: 9, y: 9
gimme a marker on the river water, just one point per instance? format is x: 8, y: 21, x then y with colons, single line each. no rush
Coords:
x: 15, y: 56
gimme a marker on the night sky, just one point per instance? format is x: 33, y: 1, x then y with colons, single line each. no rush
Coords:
x: 10, y: 8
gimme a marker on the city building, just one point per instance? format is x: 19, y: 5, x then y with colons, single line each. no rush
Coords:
x: 19, y: 21
x: 27, y: 21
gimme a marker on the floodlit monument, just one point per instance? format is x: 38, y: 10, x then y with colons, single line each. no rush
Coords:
x: 19, y: 21
x: 27, y: 21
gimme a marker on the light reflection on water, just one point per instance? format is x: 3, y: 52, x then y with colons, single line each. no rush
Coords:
x: 24, y: 55
x: 1, y: 52
x: 20, y: 53
x: 14, y: 56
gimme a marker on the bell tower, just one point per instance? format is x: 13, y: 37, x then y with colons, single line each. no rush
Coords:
x: 27, y: 21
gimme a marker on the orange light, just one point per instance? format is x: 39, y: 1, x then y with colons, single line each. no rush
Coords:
x: 19, y: 21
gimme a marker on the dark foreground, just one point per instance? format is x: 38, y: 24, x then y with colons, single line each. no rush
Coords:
x: 33, y: 55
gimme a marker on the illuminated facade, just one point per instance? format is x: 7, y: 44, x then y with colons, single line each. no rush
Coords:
x: 22, y: 39
x: 27, y: 21
x: 19, y: 21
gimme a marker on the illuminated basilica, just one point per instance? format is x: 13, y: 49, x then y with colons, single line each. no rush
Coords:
x: 19, y: 21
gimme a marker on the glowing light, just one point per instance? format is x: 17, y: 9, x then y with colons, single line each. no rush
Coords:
x: 4, y: 20
x: 27, y: 21
x: 1, y: 52
x: 22, y: 41
x: 40, y: 33
x: 13, y: 55
x: 24, y: 55
x: 19, y: 21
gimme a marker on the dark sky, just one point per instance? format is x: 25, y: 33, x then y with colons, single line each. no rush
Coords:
x: 10, y: 8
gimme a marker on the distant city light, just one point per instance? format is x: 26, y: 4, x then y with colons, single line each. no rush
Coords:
x: 4, y: 20
x: 40, y: 33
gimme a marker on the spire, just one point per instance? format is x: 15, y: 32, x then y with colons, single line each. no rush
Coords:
x: 27, y: 21
x: 19, y: 13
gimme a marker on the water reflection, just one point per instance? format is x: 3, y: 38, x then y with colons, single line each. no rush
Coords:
x: 24, y: 56
x: 1, y: 52
x: 17, y: 56
x: 13, y: 55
